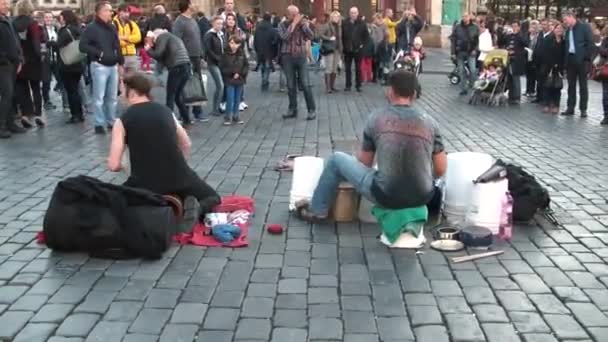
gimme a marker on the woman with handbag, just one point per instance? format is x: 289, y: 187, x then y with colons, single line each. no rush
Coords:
x: 331, y: 48
x: 603, y: 51
x: 552, y: 67
x: 70, y: 74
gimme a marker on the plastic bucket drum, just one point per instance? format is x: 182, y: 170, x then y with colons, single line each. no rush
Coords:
x: 306, y: 174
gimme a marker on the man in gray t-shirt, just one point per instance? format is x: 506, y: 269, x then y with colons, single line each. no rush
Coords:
x: 408, y: 149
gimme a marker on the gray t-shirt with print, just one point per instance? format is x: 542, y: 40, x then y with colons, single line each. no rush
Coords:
x: 404, y: 142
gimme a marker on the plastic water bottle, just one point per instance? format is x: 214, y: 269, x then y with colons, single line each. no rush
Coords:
x: 505, y: 230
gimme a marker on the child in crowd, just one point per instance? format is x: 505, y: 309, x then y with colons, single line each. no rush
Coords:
x: 234, y: 67
x: 418, y: 53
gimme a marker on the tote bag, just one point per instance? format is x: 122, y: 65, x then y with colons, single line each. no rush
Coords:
x: 194, y: 92
x: 554, y: 80
x: 70, y: 54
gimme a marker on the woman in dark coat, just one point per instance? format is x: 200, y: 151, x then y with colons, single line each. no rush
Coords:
x: 518, y: 58
x: 28, y: 93
x: 603, y: 50
x: 553, y: 62
x: 70, y: 74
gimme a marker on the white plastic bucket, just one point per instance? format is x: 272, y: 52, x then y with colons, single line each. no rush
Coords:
x: 486, y: 205
x: 306, y: 174
x: 463, y: 169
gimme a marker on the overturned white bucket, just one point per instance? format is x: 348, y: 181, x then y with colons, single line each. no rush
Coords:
x: 306, y: 174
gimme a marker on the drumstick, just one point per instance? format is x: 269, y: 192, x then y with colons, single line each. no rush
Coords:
x: 457, y: 260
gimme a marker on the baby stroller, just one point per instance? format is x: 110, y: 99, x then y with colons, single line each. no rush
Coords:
x: 491, y: 86
x: 454, y: 76
x: 410, y: 63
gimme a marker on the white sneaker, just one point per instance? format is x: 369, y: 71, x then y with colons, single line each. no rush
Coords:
x: 243, y: 106
x: 223, y: 106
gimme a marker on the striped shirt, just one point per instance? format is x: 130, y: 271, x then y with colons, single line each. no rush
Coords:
x: 294, y: 42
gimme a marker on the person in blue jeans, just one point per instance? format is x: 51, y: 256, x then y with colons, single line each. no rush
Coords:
x: 234, y: 67
x: 408, y: 149
x: 465, y: 42
x: 265, y: 42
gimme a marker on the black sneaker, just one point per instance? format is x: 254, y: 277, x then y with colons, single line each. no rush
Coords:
x: 347, y: 89
x: 359, y: 89
x: 568, y: 113
x: 5, y: 133
x: 604, y: 121
x: 311, y: 116
x: 290, y: 115
x: 100, y: 130
x: 26, y: 123
x: 39, y: 122
x: 583, y: 114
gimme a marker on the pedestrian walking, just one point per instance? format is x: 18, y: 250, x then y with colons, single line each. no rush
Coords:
x: 101, y: 44
x: 187, y: 29
x: 579, y: 49
x: 265, y: 42
x: 354, y: 36
x: 294, y: 33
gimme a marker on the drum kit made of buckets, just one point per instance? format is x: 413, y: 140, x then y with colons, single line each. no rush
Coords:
x: 476, y: 206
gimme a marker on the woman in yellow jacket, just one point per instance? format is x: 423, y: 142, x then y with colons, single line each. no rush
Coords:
x: 391, y: 26
x: 129, y: 35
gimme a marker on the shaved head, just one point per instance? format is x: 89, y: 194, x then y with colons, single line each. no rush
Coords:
x: 353, y: 13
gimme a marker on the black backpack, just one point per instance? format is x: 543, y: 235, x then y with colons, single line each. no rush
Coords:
x: 529, y: 196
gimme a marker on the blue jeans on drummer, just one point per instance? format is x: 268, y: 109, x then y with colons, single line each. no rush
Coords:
x: 471, y: 61
x: 341, y: 167
x: 105, y: 93
x: 233, y: 99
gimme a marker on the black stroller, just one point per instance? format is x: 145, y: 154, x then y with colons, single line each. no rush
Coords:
x: 454, y: 76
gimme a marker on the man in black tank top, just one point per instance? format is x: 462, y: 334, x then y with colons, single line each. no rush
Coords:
x: 158, y: 146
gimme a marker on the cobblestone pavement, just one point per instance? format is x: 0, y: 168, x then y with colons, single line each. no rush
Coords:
x: 320, y: 282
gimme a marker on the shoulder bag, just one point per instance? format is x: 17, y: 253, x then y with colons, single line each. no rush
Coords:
x: 70, y: 54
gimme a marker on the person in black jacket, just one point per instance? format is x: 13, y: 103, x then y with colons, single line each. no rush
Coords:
x: 100, y: 42
x: 552, y: 64
x: 49, y: 59
x: 10, y: 64
x: 579, y: 49
x: 70, y: 74
x: 538, y: 55
x: 465, y: 41
x: 354, y: 35
x: 518, y: 57
x: 408, y: 28
x: 159, y: 20
x: 265, y: 42
x: 234, y: 68
x: 214, y: 44
x: 532, y: 37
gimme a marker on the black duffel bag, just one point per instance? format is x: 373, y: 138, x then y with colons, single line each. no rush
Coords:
x: 108, y: 220
x: 529, y: 196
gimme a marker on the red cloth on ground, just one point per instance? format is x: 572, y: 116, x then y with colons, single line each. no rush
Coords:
x: 201, y: 234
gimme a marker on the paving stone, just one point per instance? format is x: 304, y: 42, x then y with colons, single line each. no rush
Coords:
x: 97, y: 302
x: 529, y: 322
x: 292, y: 286
x: 500, y: 332
x: 588, y: 314
x: 227, y: 299
x: 490, y: 313
x: 539, y: 338
x: 221, y: 319
x: 599, y: 298
x: 269, y: 261
x: 215, y: 336
x: 9, y: 294
x: 598, y: 334
x: 185, y: 313
x: 262, y: 290
x: 453, y: 305
x: 424, y: 299
x: 322, y: 295
x: 257, y: 307
x: 162, y: 298
x: 360, y: 288
x: 499, y: 283
x: 12, y: 322
x: 29, y: 303
x: 431, y: 333
x: 197, y: 294
x: 324, y: 310
x: 565, y: 327
x: 284, y: 334
x: 388, y: 300
x: 291, y: 301
x: 35, y: 332
x: 123, y: 311
x: 77, y: 325
x: 66, y: 339
x: 359, y: 322
x: 470, y: 278
x: 325, y: 329
x: 150, y: 321
x: 360, y: 338
x: 514, y: 301
x: 356, y: 303
x: 179, y: 332
x: 424, y: 315
x: 108, y: 331
x: 69, y: 295
x: 570, y: 294
x: 516, y: 266
x: 290, y: 318
x: 394, y: 328
x: 553, y: 276
x: 567, y: 263
x: 531, y: 283
x: 479, y: 295
x: 445, y: 288
x: 464, y: 327
x: 549, y: 304
x: 585, y: 280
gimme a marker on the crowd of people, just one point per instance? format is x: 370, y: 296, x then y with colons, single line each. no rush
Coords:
x: 548, y: 53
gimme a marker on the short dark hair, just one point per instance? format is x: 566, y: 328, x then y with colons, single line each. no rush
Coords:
x: 123, y: 8
x: 515, y: 22
x: 403, y: 83
x: 101, y: 5
x: 267, y: 16
x: 183, y: 5
x: 568, y: 13
x: 69, y: 17
x: 139, y: 83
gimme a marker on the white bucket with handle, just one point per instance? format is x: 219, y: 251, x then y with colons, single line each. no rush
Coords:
x: 306, y: 174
